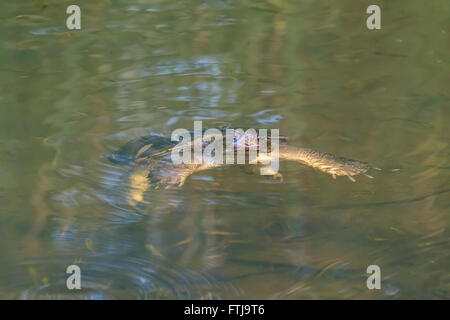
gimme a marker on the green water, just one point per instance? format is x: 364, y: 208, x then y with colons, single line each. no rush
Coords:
x: 310, y: 68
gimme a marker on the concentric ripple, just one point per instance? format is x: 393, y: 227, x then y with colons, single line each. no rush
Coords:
x: 112, y: 278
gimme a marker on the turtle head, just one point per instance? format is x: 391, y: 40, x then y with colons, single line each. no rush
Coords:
x: 250, y: 139
x: 247, y: 140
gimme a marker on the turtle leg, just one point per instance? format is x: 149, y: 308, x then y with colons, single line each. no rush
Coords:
x: 177, y: 181
x: 275, y: 174
x: 263, y: 161
x: 278, y: 176
x: 138, y: 185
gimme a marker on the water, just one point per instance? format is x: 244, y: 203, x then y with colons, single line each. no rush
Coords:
x: 310, y: 68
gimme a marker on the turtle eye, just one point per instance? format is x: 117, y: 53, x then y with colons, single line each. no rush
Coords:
x: 236, y: 141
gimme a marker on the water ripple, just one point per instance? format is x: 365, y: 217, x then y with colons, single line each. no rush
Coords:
x: 114, y: 278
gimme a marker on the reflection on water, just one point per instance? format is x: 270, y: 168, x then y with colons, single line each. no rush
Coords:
x: 311, y: 69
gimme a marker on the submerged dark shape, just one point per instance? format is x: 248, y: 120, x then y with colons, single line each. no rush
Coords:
x: 150, y: 157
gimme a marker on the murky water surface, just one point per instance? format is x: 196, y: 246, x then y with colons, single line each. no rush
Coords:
x: 309, y: 68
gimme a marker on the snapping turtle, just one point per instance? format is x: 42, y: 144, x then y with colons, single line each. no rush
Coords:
x: 150, y: 157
